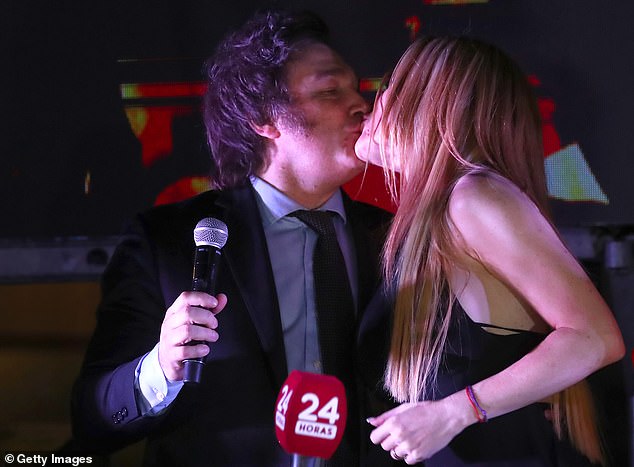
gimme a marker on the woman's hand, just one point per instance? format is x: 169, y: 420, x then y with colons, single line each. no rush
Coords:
x: 413, y: 432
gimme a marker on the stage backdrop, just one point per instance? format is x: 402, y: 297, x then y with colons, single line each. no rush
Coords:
x: 99, y: 105
x: 100, y: 100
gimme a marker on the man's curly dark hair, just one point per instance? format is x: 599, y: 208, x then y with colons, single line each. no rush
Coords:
x: 246, y: 86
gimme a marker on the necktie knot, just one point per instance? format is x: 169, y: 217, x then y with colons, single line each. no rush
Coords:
x: 319, y: 221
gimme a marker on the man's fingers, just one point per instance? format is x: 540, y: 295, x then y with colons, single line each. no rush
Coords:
x: 194, y: 332
x: 196, y: 307
x: 198, y: 299
x: 183, y: 352
x: 222, y: 302
x: 187, y: 333
x: 200, y: 316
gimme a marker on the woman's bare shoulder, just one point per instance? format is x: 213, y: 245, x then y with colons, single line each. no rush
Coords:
x: 473, y: 193
x: 471, y: 190
x: 489, y: 204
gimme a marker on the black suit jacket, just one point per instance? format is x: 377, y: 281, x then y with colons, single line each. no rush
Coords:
x: 226, y: 420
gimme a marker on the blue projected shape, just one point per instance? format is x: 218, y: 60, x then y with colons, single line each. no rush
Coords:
x: 569, y: 177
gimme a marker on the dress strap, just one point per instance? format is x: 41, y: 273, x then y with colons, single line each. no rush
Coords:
x: 494, y: 326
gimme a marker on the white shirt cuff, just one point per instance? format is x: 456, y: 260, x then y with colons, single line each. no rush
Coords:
x: 156, y: 392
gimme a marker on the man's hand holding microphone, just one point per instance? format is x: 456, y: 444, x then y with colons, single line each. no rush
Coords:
x: 190, y: 324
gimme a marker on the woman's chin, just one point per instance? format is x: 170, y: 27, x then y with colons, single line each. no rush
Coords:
x: 360, y: 155
x: 362, y: 159
x: 365, y: 156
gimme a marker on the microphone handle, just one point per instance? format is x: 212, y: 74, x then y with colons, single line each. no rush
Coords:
x: 302, y: 461
x: 206, y: 262
x: 298, y: 461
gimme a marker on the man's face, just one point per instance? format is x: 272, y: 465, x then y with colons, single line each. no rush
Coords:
x: 316, y: 142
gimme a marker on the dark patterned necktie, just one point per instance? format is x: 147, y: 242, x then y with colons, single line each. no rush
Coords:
x: 335, y: 322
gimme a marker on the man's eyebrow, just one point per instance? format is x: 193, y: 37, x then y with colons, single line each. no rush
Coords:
x: 328, y: 72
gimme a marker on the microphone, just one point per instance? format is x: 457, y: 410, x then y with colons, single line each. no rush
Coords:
x: 310, y: 415
x: 210, y: 235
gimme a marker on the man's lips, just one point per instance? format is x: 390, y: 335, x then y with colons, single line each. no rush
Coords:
x: 356, y: 131
x: 356, y: 128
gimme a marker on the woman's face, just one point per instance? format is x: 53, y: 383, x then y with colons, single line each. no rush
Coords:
x: 367, y: 146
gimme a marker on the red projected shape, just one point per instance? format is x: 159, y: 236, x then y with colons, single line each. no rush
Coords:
x: 152, y: 124
x: 182, y: 189
x: 153, y: 127
x: 413, y: 24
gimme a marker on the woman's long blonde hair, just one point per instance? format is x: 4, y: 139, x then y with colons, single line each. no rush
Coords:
x: 455, y: 106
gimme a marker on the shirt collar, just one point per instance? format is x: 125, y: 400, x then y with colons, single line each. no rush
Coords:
x: 277, y: 205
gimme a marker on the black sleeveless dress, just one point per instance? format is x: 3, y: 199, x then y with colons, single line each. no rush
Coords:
x: 523, y: 438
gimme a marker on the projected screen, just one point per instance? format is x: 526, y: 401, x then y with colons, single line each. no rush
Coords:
x: 101, y: 113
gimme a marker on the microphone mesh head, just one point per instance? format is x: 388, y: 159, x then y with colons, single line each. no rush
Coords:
x: 211, y: 231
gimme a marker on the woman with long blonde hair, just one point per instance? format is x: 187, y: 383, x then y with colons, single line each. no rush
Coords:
x: 493, y: 318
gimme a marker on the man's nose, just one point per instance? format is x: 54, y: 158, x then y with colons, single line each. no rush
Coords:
x: 361, y: 107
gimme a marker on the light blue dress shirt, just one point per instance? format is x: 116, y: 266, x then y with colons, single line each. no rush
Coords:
x: 291, y: 244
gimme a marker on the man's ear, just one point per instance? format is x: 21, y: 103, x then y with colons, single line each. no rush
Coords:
x: 268, y: 130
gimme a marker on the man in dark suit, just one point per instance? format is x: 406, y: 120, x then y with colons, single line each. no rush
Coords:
x: 283, y: 113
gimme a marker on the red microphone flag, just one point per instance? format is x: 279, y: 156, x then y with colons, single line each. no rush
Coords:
x: 310, y: 415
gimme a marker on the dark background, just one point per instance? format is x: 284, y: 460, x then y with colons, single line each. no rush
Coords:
x: 63, y: 116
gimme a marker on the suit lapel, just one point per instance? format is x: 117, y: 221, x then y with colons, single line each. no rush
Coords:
x: 367, y: 254
x: 247, y: 257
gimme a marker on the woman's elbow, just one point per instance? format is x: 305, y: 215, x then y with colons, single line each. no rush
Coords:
x: 606, y: 341
x: 614, y: 348
x: 608, y: 346
x: 600, y: 349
